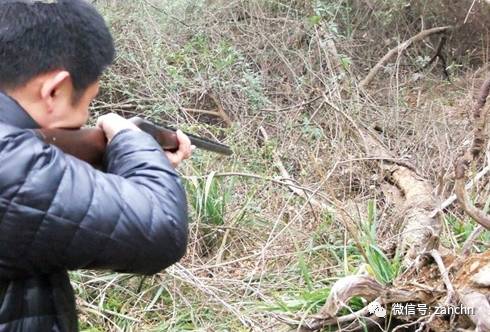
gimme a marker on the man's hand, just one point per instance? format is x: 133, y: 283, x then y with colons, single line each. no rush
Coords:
x: 112, y: 123
x: 184, y: 151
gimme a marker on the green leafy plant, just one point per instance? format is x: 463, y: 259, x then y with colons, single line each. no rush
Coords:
x: 309, y: 301
x: 383, y: 269
x: 208, y: 198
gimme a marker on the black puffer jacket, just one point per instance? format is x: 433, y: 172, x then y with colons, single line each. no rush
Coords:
x: 58, y: 213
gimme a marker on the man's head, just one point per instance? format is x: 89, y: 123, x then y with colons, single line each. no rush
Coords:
x: 52, y: 54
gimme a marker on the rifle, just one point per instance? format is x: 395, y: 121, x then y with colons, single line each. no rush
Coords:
x: 88, y: 144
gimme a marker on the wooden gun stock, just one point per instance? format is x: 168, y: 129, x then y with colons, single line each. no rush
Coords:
x: 88, y: 144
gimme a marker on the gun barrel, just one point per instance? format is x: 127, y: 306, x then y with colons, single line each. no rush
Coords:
x: 205, y: 144
x: 167, y: 137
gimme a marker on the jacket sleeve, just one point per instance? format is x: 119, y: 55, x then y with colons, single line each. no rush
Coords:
x: 57, y: 212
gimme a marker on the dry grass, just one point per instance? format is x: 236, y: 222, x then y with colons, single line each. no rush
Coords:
x: 258, y: 250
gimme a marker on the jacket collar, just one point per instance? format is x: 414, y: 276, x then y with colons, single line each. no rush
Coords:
x: 13, y: 114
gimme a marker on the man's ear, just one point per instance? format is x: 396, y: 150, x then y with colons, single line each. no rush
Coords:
x: 51, y: 87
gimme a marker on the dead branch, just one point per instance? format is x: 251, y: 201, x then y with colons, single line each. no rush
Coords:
x: 293, y: 107
x: 195, y: 110
x: 346, y: 288
x: 398, y: 50
x: 451, y: 293
x: 366, y: 287
x: 470, y: 240
x: 471, y: 155
x: 220, y: 110
x: 464, y: 199
x: 421, y: 230
x: 451, y: 199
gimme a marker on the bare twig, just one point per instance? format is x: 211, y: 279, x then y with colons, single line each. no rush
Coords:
x: 287, y: 178
x: 407, y: 325
x: 469, y: 12
x: 292, y: 107
x: 451, y: 293
x: 194, y: 110
x: 471, y: 239
x: 161, y: 10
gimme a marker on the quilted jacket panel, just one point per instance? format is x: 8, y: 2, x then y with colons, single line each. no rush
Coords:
x: 58, y: 213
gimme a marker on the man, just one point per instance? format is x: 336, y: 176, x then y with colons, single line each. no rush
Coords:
x: 58, y: 213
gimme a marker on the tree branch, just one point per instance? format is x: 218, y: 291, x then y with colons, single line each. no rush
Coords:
x: 398, y: 50
x: 471, y: 155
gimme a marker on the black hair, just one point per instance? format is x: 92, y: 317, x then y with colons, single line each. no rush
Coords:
x: 37, y: 36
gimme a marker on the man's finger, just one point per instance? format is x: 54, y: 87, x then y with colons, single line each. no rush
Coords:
x: 184, y: 144
x: 100, y: 121
x: 184, y: 151
x: 172, y: 158
x: 183, y: 138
